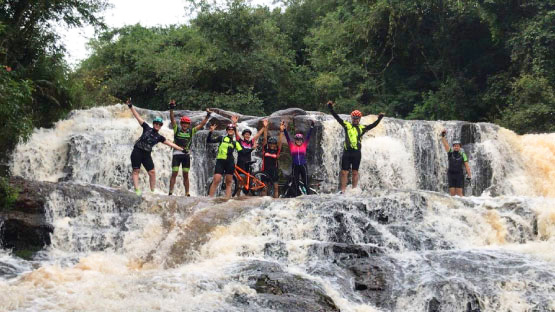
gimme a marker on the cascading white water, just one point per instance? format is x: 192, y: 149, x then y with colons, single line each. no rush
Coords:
x: 424, y: 251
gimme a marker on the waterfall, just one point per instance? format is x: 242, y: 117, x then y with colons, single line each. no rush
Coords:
x: 398, y: 243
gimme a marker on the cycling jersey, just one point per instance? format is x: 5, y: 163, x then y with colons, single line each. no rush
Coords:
x: 353, y: 134
x: 148, y: 139
x: 226, y: 146
x: 298, y: 152
x: 183, y: 139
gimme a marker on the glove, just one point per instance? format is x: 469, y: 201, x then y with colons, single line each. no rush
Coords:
x: 208, y: 114
x: 443, y: 133
x: 129, y: 103
x: 172, y: 105
x: 468, y: 179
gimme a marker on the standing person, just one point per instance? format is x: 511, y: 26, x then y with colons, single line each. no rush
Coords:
x: 351, y: 148
x: 248, y: 144
x: 143, y: 148
x: 183, y: 136
x: 271, y: 148
x: 225, y: 163
x: 298, y: 155
x: 457, y: 160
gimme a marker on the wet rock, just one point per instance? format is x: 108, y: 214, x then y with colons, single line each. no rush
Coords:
x: 281, y: 291
x: 26, y: 228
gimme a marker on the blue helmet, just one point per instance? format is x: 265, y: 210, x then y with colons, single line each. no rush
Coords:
x: 158, y: 120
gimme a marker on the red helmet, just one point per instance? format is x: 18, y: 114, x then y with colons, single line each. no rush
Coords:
x: 356, y: 113
x: 185, y: 119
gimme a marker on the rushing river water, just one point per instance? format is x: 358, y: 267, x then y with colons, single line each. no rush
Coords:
x: 398, y: 243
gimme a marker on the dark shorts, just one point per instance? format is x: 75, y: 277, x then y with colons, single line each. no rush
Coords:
x: 224, y: 166
x: 183, y: 160
x: 350, y: 159
x: 272, y: 173
x: 243, y: 165
x: 139, y: 157
x: 455, y: 180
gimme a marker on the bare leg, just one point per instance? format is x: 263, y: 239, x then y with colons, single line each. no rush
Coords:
x: 135, y: 176
x: 186, y: 181
x: 215, y: 182
x: 276, y: 190
x: 344, y: 174
x: 152, y: 179
x: 459, y: 191
x: 355, y: 178
x: 172, y: 180
x: 228, y: 180
x: 452, y: 191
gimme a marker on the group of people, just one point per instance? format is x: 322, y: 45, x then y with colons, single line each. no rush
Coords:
x: 246, y: 143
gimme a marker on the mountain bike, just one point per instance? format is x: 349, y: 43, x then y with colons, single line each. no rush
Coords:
x: 289, y: 188
x: 251, y: 183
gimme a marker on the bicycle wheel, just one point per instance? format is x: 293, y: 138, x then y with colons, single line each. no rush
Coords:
x: 266, y: 180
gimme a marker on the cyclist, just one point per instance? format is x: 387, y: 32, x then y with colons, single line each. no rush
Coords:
x: 248, y: 144
x: 143, y: 148
x: 457, y: 160
x: 183, y: 137
x: 271, y: 148
x: 298, y: 155
x: 225, y: 163
x: 353, y: 138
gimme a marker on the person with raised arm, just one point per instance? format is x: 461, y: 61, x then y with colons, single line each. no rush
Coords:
x: 183, y: 136
x: 297, y: 148
x: 244, y: 157
x: 353, y: 143
x: 271, y: 149
x: 225, y: 162
x: 143, y: 147
x: 457, y: 160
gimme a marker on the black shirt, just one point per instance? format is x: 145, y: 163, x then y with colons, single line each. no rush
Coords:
x: 149, y: 138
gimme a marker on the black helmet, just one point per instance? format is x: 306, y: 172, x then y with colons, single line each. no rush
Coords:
x: 246, y: 131
x: 272, y: 140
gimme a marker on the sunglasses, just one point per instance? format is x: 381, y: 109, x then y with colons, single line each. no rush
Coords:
x: 157, y: 123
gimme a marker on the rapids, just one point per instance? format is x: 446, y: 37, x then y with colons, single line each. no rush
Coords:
x: 398, y: 243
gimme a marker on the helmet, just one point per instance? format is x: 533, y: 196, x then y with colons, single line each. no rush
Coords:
x: 299, y: 136
x: 356, y: 113
x: 246, y: 131
x: 158, y: 120
x: 185, y: 119
x: 457, y: 142
x: 230, y: 127
x: 272, y: 140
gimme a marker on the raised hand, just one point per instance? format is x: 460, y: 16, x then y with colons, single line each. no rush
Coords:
x: 282, y: 126
x: 443, y: 133
x: 312, y: 124
x: 172, y: 104
x: 381, y: 114
x: 213, y: 127
x: 208, y: 112
x: 265, y: 123
x: 234, y: 119
x: 128, y: 102
x: 330, y: 103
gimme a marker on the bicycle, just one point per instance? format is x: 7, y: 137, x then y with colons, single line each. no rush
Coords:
x: 289, y: 190
x: 252, y: 183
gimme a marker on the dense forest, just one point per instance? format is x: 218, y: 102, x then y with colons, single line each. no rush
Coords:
x: 474, y: 60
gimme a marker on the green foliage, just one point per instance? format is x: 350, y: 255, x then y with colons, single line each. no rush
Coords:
x: 15, y: 105
x: 35, y: 89
x: 472, y: 60
x: 532, y: 106
x: 8, y: 195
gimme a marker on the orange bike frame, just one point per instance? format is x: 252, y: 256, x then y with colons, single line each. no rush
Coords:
x: 258, y: 184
